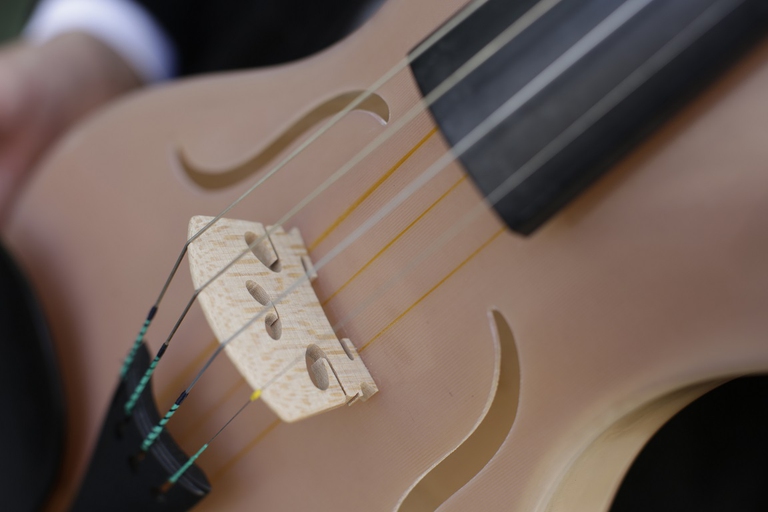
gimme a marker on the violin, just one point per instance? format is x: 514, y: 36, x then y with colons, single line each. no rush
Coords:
x: 537, y: 230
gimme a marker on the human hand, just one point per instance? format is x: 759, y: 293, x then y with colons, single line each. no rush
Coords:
x: 43, y: 91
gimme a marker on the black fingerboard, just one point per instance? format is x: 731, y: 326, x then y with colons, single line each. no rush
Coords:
x: 579, y: 84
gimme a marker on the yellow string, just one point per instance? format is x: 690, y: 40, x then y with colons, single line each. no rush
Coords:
x: 370, y: 191
x: 239, y: 455
x: 401, y: 315
x: 409, y: 226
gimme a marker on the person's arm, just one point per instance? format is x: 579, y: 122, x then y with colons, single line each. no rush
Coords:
x: 75, y: 56
x: 44, y: 89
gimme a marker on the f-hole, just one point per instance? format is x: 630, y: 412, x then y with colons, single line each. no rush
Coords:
x: 224, y: 178
x: 458, y: 468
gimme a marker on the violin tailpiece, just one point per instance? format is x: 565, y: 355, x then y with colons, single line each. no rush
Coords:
x: 118, y: 479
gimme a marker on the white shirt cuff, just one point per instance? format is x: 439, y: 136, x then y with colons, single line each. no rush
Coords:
x: 121, y: 24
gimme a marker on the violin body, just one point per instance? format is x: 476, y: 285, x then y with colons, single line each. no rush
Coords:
x: 642, y: 294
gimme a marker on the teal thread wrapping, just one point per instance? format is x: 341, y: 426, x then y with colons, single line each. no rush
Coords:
x: 140, y: 387
x: 157, y: 429
x: 136, y: 344
x: 139, y: 340
x: 183, y: 469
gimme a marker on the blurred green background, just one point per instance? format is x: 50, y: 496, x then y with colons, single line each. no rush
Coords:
x: 13, y: 13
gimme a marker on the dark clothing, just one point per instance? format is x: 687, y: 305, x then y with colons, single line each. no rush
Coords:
x: 230, y: 34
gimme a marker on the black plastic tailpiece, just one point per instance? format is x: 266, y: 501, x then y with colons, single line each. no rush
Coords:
x: 117, y: 479
x: 583, y: 84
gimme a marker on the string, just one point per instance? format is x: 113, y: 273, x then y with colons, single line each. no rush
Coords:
x: 157, y: 430
x: 700, y: 25
x: 554, y: 70
x: 402, y: 64
x: 463, y: 71
x: 370, y: 190
x: 395, y: 239
x: 183, y: 469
